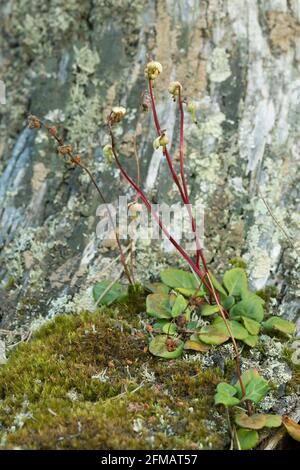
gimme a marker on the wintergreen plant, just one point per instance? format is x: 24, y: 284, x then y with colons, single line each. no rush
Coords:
x: 230, y: 309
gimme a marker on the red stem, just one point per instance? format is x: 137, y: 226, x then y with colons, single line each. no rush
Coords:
x: 183, y: 190
x: 150, y: 209
x: 208, y: 283
x: 199, y: 250
x: 165, y: 150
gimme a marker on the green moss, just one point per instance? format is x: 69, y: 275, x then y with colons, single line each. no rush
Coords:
x: 135, y: 299
x: 11, y: 283
x: 87, y: 381
x: 267, y: 293
x: 293, y: 386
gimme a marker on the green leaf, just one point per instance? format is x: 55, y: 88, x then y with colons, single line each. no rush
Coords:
x: 247, y: 439
x: 166, y: 347
x: 192, y: 325
x: 259, y: 299
x: 292, y: 427
x: 158, y: 326
x: 249, y: 307
x: 207, y: 310
x: 228, y: 302
x: 212, y: 335
x: 190, y: 292
x: 279, y: 324
x: 195, y: 344
x: 273, y: 421
x: 256, y: 389
x: 217, y: 285
x: 256, y: 421
x: 179, y: 306
x: 177, y: 278
x: 251, y: 340
x: 235, y: 281
x: 225, y: 395
x: 238, y: 331
x: 158, y: 288
x: 251, y: 376
x: 116, y: 292
x: 169, y: 328
x: 157, y: 305
x: 252, y: 326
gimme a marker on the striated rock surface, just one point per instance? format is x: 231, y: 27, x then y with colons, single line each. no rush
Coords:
x: 69, y: 62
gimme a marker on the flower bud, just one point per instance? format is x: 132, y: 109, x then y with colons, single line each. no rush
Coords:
x: 34, y: 122
x: 160, y: 141
x: 117, y: 114
x: 174, y: 89
x: 191, y: 108
x: 134, y: 208
x: 52, y: 131
x: 65, y: 149
x: 108, y: 153
x: 76, y: 159
x: 153, y: 69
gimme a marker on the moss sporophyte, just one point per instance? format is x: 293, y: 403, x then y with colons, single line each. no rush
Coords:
x: 183, y: 302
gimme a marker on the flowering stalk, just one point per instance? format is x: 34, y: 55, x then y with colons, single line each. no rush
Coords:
x: 182, y: 189
x: 165, y: 150
x: 199, y: 250
x: 200, y: 274
x: 203, y: 276
x: 150, y: 209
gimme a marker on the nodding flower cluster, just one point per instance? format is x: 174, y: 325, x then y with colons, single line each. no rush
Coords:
x: 175, y: 89
x: 153, y: 69
x: 160, y: 141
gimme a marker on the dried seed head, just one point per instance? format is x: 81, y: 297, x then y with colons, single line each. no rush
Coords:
x: 175, y: 88
x: 64, y: 149
x: 108, y: 153
x: 117, y: 114
x: 153, y: 69
x: 34, y: 122
x: 160, y: 141
x: 52, y: 131
x: 191, y: 108
x: 76, y: 159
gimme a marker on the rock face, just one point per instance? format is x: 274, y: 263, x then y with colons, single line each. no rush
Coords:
x: 70, y: 62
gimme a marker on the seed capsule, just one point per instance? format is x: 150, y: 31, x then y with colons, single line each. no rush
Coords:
x: 160, y: 141
x: 65, y: 149
x: 175, y: 89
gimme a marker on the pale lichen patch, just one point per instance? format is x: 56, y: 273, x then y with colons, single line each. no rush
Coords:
x: 218, y: 67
